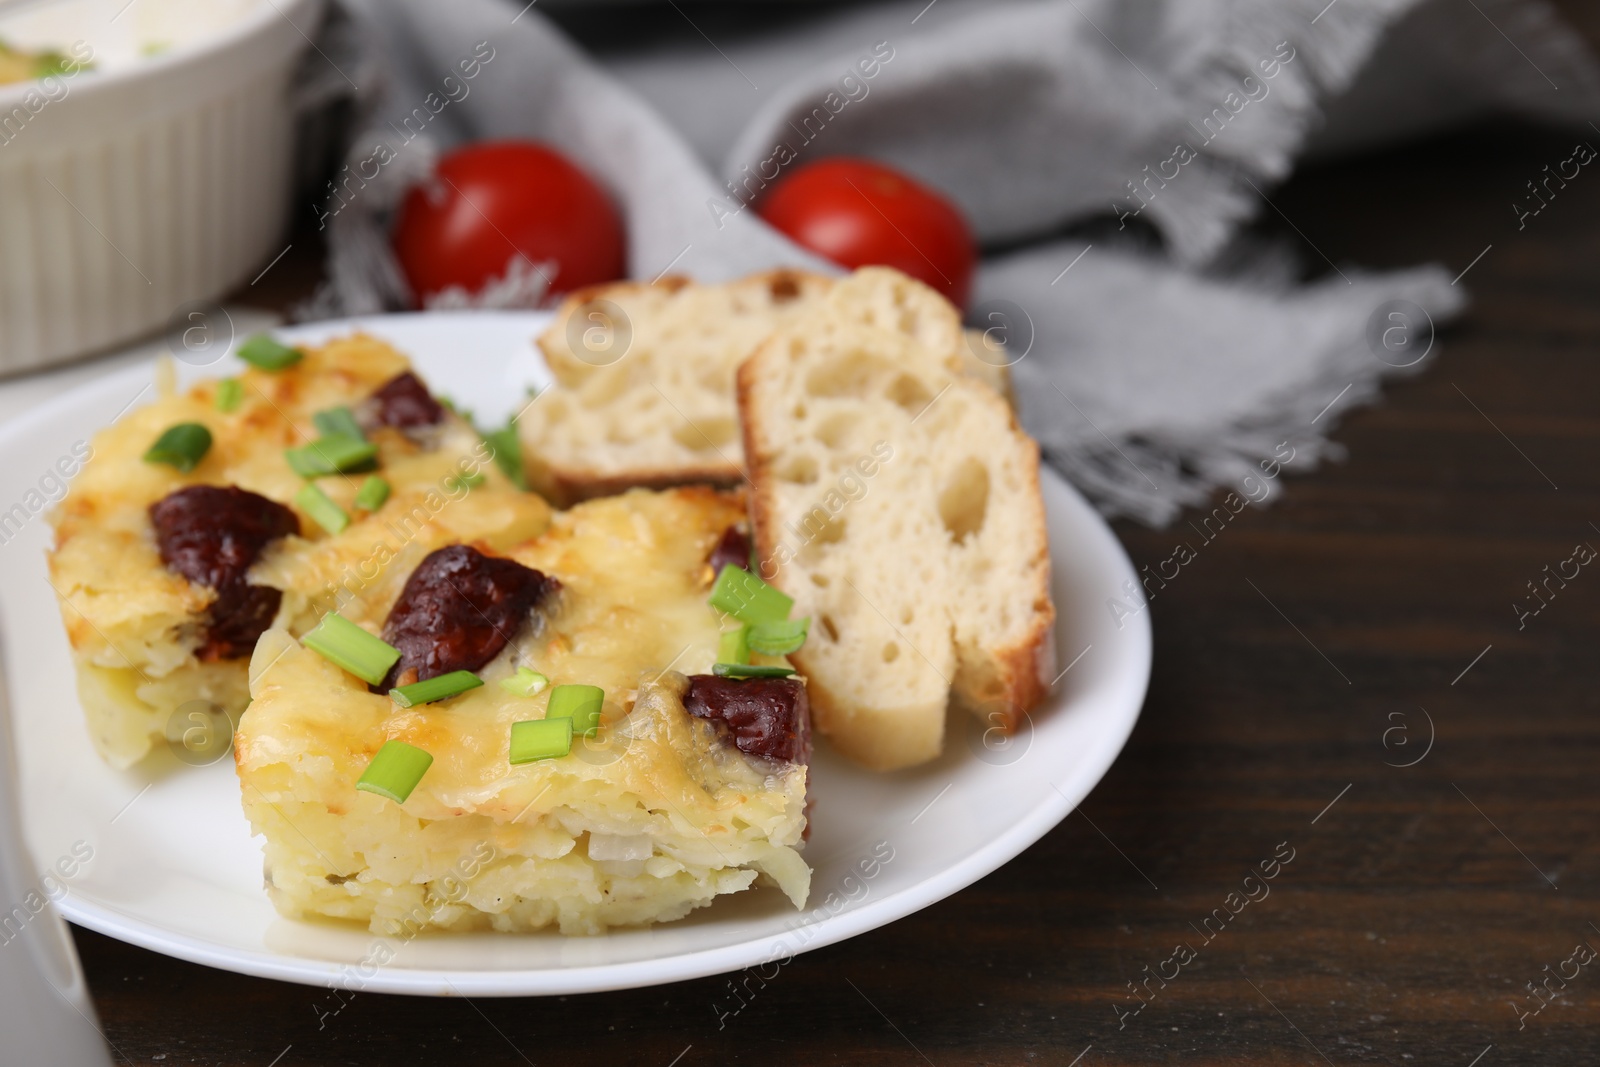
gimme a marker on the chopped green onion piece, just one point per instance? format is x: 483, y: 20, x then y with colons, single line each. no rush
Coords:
x: 395, y: 771
x: 314, y: 502
x: 332, y: 454
x: 338, y: 422
x: 52, y: 62
x: 506, y: 448
x: 747, y: 598
x: 734, y: 645
x: 230, y: 393
x: 263, y: 352
x: 47, y: 63
x: 441, y: 688
x: 526, y: 683
x: 580, y: 703
x: 344, y: 644
x: 373, y: 492
x: 746, y: 670
x: 778, y: 638
x: 181, y: 446
x: 539, y: 739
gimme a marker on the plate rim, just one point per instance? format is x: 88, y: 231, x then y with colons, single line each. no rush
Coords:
x: 591, y: 978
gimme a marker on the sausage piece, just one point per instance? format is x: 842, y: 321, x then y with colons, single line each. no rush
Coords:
x: 768, y: 717
x: 734, y: 548
x: 404, y: 403
x: 457, y: 611
x: 238, y: 617
x: 213, y: 535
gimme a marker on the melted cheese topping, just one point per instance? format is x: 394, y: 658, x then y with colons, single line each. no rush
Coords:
x: 633, y: 601
x: 134, y: 625
x: 633, y: 597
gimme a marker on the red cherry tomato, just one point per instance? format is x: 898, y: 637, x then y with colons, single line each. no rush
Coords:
x: 856, y: 212
x: 491, y: 201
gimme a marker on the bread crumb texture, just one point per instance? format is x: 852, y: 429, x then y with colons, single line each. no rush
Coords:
x: 897, y: 500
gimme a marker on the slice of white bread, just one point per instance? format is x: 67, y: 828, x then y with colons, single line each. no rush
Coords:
x: 644, y: 372
x: 897, y: 501
x: 643, y: 392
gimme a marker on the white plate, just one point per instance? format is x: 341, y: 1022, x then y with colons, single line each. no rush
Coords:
x: 175, y: 868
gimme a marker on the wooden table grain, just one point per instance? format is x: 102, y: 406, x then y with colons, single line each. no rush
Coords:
x: 1428, y: 914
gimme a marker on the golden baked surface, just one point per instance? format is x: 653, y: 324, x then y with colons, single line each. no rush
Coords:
x: 134, y: 625
x: 656, y: 816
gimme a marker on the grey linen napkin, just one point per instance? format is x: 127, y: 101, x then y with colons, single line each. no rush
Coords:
x: 1151, y: 376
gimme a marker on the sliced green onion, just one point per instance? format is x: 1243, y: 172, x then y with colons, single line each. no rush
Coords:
x: 778, y: 638
x: 263, y: 352
x: 507, y: 451
x: 580, y: 703
x: 734, y: 645
x: 373, y: 492
x: 443, y: 687
x: 332, y: 454
x: 746, y: 670
x: 338, y: 422
x: 539, y: 739
x: 230, y: 394
x: 314, y: 502
x: 525, y: 683
x: 181, y: 446
x: 747, y: 598
x: 344, y: 644
x: 395, y: 771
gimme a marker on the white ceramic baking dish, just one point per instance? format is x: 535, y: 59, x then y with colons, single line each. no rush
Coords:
x: 133, y: 189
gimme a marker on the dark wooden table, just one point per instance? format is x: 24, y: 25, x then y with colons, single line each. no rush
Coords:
x: 1420, y: 900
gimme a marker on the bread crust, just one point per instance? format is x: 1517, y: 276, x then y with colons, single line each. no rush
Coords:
x: 1027, y: 668
x: 568, y: 486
